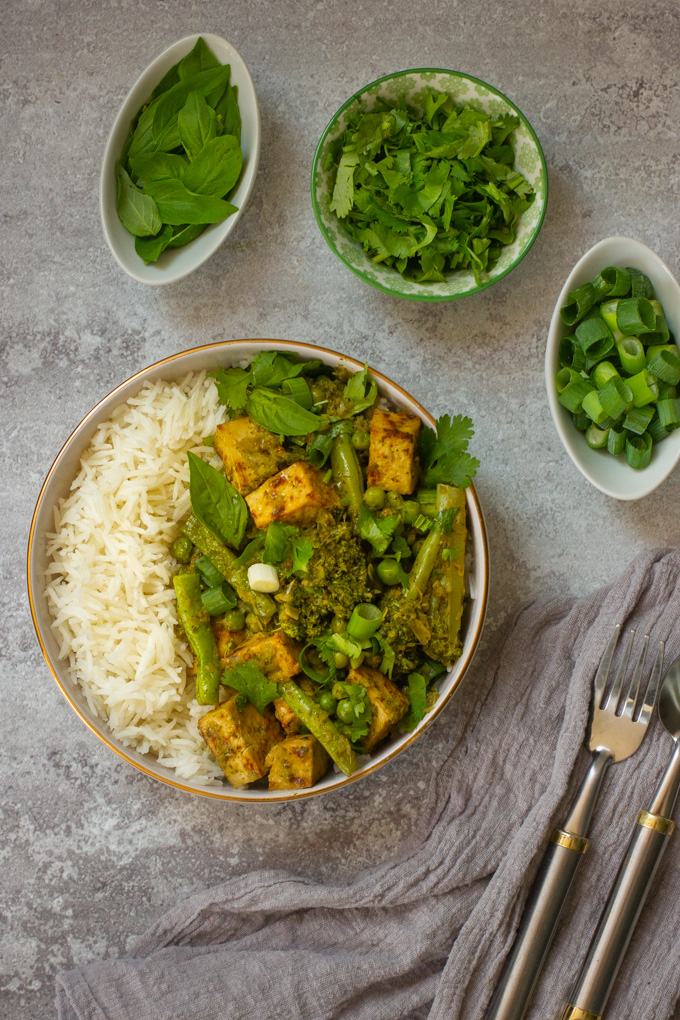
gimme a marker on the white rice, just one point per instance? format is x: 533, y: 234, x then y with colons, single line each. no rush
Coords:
x: 109, y: 585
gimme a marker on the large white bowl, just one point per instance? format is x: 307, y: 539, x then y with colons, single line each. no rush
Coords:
x: 178, y: 262
x: 58, y: 483
x: 612, y: 475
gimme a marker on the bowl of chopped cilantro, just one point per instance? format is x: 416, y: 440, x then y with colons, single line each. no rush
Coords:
x: 429, y: 184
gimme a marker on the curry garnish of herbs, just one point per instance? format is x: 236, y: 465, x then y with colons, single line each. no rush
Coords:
x: 428, y: 190
x: 321, y: 573
x: 619, y: 365
x: 182, y: 157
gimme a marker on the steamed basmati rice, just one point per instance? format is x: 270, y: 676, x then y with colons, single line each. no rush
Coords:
x: 109, y: 585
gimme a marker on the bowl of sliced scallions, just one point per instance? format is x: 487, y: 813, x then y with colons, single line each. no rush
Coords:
x: 613, y: 368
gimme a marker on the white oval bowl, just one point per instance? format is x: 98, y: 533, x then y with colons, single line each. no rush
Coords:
x: 57, y: 485
x: 178, y: 262
x: 612, y: 475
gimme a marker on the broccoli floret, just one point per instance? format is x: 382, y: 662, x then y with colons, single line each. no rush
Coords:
x: 406, y: 628
x: 336, y: 579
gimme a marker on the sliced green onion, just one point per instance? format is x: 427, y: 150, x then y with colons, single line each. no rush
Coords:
x: 616, y: 442
x: 608, y: 313
x: 644, y: 388
x: 582, y: 421
x: 635, y: 315
x: 593, y: 408
x: 594, y: 337
x: 578, y: 303
x: 665, y: 366
x: 209, y: 572
x: 423, y: 523
x: 669, y: 413
x: 572, y: 395
x: 667, y: 392
x: 364, y: 621
x: 639, y: 451
x: 566, y: 353
x: 219, y: 600
x: 578, y: 362
x: 638, y: 418
x: 564, y: 377
x: 603, y: 372
x: 632, y: 355
x: 656, y: 430
x: 596, y: 438
x: 658, y: 348
x: 298, y: 389
x: 616, y: 397
x: 640, y: 285
x: 612, y: 282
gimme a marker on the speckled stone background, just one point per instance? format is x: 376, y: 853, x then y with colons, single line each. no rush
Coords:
x: 92, y: 851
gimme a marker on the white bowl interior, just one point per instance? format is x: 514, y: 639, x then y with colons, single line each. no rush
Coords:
x: 611, y: 474
x: 58, y: 483
x: 176, y: 263
x: 411, y: 87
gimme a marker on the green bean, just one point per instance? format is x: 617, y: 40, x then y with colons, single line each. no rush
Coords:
x: 225, y: 561
x: 347, y: 473
x: 196, y: 623
x: 313, y: 716
x: 428, y: 554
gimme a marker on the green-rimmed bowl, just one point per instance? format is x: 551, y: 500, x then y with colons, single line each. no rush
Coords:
x: 410, y: 87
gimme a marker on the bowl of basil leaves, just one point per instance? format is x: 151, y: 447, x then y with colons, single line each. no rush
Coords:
x: 429, y: 184
x: 180, y: 161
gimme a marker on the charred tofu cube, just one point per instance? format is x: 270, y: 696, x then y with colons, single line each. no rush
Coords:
x: 275, y: 654
x: 295, y: 496
x: 388, y: 703
x: 240, y: 739
x: 250, y: 453
x: 296, y: 763
x: 392, y: 454
x: 285, y: 714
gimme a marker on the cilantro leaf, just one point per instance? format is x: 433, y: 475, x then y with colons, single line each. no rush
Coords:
x: 302, y: 550
x: 343, y: 192
x: 251, y: 682
x: 444, y: 454
x: 361, y: 391
x: 417, y: 692
x: 232, y: 387
x: 389, y: 657
x: 376, y: 530
x: 346, y: 645
x: 362, y: 713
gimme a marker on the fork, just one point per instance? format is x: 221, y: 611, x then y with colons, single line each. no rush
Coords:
x: 615, y: 733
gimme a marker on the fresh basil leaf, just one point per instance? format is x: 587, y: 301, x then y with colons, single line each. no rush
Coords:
x: 142, y: 136
x: 215, y: 168
x: 280, y: 414
x: 360, y: 391
x: 178, y: 206
x: 211, y: 84
x: 302, y: 550
x: 269, y: 368
x: 227, y: 109
x: 149, y: 248
x: 417, y: 692
x: 201, y: 58
x: 216, y: 503
x: 184, y: 234
x: 252, y: 683
x: 232, y: 387
x: 138, y: 212
x: 377, y: 531
x: 197, y: 124
x: 158, y: 166
x: 276, y: 541
x: 169, y: 79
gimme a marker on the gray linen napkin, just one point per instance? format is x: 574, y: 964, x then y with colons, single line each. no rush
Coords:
x: 426, y: 934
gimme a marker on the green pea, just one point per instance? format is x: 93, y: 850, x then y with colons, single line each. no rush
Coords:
x: 361, y: 441
x: 253, y: 623
x: 182, y: 549
x: 411, y: 511
x: 234, y: 619
x: 345, y: 711
x: 394, y: 500
x: 374, y: 497
x: 341, y: 660
x: 338, y: 624
x: 327, y: 702
x: 388, y: 571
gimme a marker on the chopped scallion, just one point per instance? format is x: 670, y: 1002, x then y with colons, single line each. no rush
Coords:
x: 209, y: 572
x: 669, y: 413
x: 665, y: 366
x: 632, y: 355
x: 616, y: 442
x: 364, y: 621
x: 603, y: 372
x: 639, y: 451
x: 616, y: 397
x: 638, y: 418
x: 596, y: 438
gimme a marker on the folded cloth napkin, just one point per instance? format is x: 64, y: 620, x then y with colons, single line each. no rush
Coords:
x: 426, y: 934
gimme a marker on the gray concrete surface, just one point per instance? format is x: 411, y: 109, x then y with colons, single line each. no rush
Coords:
x: 91, y: 851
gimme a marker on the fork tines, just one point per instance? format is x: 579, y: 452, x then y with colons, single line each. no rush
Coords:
x: 616, y: 700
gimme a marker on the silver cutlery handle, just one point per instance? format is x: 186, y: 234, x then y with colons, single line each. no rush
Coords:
x: 609, y: 944
x: 567, y: 846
